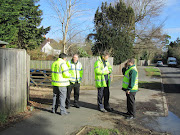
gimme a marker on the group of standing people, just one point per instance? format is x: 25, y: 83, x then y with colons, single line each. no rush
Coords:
x: 68, y: 75
x: 65, y: 77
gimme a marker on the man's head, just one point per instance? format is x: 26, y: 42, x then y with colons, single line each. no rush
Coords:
x: 75, y: 58
x: 131, y: 62
x: 63, y: 56
x: 105, y: 55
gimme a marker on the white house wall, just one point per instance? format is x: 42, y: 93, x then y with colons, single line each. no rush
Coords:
x: 47, y: 49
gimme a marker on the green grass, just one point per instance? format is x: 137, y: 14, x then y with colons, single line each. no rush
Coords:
x: 153, y: 72
x: 150, y: 85
x: 101, y: 131
x: 151, y: 66
x: 3, y: 118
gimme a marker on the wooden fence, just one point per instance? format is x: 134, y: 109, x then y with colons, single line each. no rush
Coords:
x: 87, y: 63
x: 14, y: 80
x: 117, y: 69
x: 143, y: 62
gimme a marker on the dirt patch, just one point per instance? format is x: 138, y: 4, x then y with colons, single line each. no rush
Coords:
x: 91, y: 130
x: 123, y: 128
x: 147, y: 106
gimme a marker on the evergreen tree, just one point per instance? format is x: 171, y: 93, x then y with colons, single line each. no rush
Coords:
x: 114, y: 26
x: 20, y: 21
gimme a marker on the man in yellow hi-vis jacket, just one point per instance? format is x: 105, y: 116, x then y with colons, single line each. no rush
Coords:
x: 102, y: 70
x: 60, y: 80
x: 76, y: 71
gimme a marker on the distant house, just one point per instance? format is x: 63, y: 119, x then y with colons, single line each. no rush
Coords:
x: 50, y: 47
x: 3, y: 44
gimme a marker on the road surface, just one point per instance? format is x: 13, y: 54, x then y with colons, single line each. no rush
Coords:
x: 171, y: 81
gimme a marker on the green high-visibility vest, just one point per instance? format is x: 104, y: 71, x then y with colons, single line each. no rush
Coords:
x: 126, y: 79
x: 75, y: 70
x: 99, y: 73
x: 60, y: 73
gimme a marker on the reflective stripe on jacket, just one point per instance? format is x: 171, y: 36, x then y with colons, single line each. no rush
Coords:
x: 126, y: 79
x: 75, y: 70
x: 60, y: 73
x: 99, y: 73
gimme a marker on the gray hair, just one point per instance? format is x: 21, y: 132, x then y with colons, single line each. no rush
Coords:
x: 132, y: 60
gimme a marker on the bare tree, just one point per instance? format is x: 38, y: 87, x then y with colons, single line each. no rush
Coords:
x: 67, y: 11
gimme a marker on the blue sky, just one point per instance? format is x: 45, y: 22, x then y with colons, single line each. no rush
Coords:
x: 171, y: 15
x: 172, y: 24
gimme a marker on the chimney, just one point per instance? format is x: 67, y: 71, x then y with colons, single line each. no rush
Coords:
x: 48, y: 40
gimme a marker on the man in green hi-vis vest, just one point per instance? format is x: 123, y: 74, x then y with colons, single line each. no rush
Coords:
x: 130, y: 86
x: 102, y: 70
x: 60, y: 80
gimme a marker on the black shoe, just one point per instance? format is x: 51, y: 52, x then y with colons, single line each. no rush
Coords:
x: 130, y: 117
x: 67, y: 106
x: 102, y: 110
x: 76, y: 105
x: 109, y: 109
x: 126, y: 114
x: 65, y: 113
x: 54, y: 111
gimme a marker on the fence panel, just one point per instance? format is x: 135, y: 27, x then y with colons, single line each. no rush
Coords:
x: 87, y: 63
x: 13, y: 80
x: 117, y: 69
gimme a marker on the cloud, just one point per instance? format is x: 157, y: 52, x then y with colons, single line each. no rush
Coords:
x: 172, y: 30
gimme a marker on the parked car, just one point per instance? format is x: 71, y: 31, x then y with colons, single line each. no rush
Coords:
x: 172, y: 61
x: 159, y: 63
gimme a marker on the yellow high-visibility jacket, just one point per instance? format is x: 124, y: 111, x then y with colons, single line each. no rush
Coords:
x: 60, y: 73
x: 76, y: 71
x: 99, y: 73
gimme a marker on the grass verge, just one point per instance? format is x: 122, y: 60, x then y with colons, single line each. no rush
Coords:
x: 3, y: 118
x: 153, y: 72
x: 150, y: 85
x: 102, y: 131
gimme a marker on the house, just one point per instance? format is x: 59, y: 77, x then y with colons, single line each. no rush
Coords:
x: 50, y: 47
x: 3, y: 44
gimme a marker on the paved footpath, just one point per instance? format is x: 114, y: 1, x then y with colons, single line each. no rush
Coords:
x: 46, y: 123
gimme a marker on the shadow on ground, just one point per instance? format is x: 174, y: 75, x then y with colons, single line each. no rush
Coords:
x: 46, y: 101
x: 150, y: 85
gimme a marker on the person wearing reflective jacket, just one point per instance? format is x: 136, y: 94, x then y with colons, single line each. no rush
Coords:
x: 102, y: 70
x: 130, y: 86
x: 60, y: 80
x: 76, y: 71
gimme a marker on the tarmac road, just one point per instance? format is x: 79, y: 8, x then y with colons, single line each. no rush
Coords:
x: 171, y: 81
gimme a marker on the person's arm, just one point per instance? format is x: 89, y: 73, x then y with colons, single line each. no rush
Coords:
x: 110, y: 68
x: 124, y: 70
x: 132, y: 79
x: 65, y: 71
x: 68, y: 64
x: 98, y: 70
x: 81, y: 73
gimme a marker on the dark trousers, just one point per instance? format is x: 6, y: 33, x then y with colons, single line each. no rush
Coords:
x: 131, y: 108
x: 103, y: 92
x: 76, y: 87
